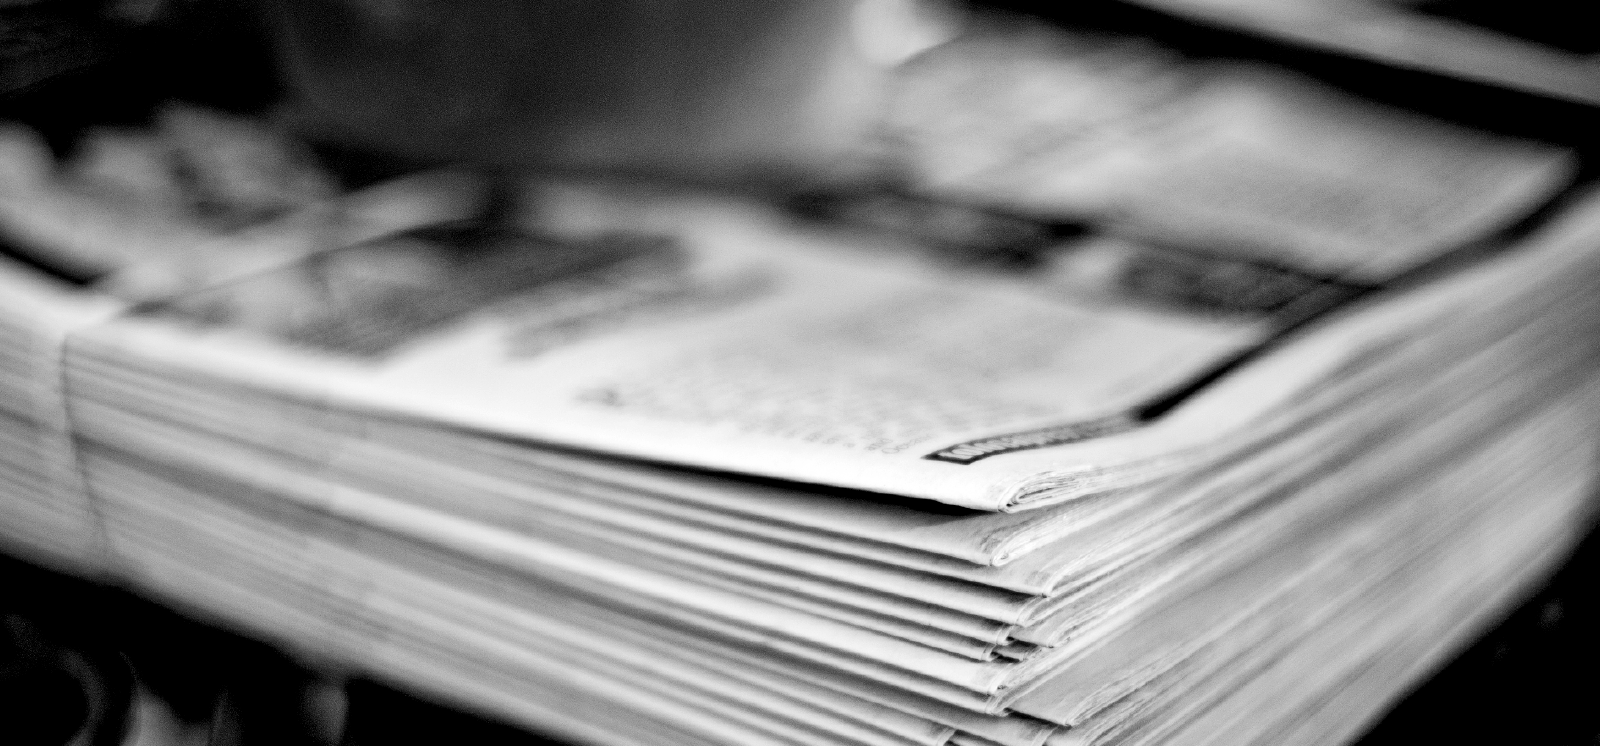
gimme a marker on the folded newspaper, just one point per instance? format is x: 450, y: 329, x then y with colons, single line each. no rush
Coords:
x: 745, y: 345
x: 1270, y: 437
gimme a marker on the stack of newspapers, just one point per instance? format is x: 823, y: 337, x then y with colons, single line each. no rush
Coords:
x: 44, y: 511
x: 1312, y: 402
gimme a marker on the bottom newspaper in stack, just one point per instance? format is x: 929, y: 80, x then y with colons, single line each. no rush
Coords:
x: 1282, y: 587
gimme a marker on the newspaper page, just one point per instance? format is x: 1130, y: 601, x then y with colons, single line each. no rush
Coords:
x: 1227, y: 158
x: 1543, y: 49
x: 748, y: 345
x: 1232, y: 207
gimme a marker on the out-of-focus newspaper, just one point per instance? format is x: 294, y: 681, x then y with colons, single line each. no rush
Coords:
x: 1544, y: 48
x: 1228, y: 158
x: 1225, y: 279
x: 44, y: 511
x: 749, y: 345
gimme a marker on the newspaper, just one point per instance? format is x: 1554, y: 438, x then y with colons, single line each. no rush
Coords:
x: 1541, y: 50
x: 749, y: 345
x: 1229, y: 158
x: 719, y: 334
x: 45, y: 513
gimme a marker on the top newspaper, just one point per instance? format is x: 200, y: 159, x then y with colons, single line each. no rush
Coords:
x: 724, y: 336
